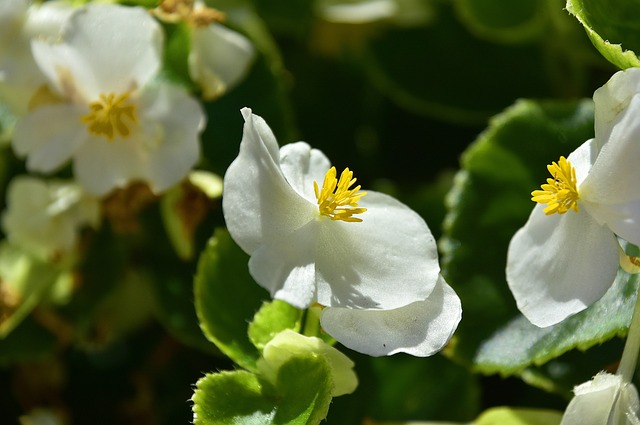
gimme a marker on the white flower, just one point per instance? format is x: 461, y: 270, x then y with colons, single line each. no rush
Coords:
x: 289, y: 343
x: 402, y: 12
x: 605, y: 400
x: 566, y: 255
x: 368, y: 258
x: 108, y: 118
x: 45, y: 218
x: 219, y: 58
x: 20, y: 21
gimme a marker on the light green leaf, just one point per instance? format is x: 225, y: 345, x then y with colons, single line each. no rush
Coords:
x: 227, y: 298
x: 520, y: 344
x: 518, y: 416
x: 490, y: 200
x: 273, y: 317
x: 504, y: 21
x: 613, y: 27
x: 301, y: 396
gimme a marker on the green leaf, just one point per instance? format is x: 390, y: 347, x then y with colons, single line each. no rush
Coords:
x: 301, y: 395
x: 27, y: 342
x: 504, y: 21
x: 520, y: 344
x: 613, y: 27
x: 227, y: 298
x: 515, y: 416
x: 490, y: 200
x: 273, y: 317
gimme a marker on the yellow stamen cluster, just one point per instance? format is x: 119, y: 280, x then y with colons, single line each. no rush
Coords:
x: 174, y: 11
x: 336, y: 200
x: 561, y: 192
x: 108, y: 115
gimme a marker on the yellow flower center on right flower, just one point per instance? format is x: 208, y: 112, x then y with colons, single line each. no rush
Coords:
x: 561, y: 192
x: 336, y: 200
x: 111, y: 115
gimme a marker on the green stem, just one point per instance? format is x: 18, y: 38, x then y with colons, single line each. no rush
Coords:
x: 631, y: 347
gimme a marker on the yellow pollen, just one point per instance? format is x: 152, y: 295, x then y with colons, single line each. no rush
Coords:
x: 336, y: 200
x: 561, y: 192
x: 111, y: 115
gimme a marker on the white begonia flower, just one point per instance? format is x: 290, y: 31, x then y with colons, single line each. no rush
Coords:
x: 20, y: 22
x: 401, y: 12
x: 219, y: 58
x: 368, y: 258
x: 115, y: 125
x: 559, y: 264
x: 45, y: 218
x: 289, y: 343
x: 605, y: 400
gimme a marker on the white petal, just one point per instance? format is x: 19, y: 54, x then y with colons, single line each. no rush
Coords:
x: 259, y: 205
x: 105, y: 49
x: 387, y: 261
x: 180, y: 120
x: 614, y: 175
x: 558, y: 265
x: 360, y: 11
x: 49, y: 136
x: 48, y: 19
x: 219, y: 58
x: 301, y: 166
x: 613, y: 98
x: 420, y: 329
x: 286, y: 268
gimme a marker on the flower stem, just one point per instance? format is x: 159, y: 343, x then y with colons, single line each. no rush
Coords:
x: 631, y: 347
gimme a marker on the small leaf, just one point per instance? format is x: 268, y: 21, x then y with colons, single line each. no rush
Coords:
x: 273, y: 317
x: 227, y: 298
x: 301, y: 396
x: 613, y: 28
x: 520, y: 344
x: 515, y: 416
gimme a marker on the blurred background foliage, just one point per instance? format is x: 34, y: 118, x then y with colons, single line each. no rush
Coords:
x: 427, y: 104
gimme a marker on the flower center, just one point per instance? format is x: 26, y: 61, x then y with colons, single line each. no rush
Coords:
x: 561, y: 192
x: 336, y: 200
x: 111, y: 115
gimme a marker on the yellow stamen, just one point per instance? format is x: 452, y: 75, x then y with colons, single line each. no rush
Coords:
x: 175, y: 11
x: 561, y: 192
x: 107, y: 117
x: 336, y: 200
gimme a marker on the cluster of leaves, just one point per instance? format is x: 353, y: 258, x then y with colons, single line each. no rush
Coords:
x: 127, y: 336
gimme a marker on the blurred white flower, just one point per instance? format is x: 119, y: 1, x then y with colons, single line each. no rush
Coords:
x: 566, y: 256
x: 20, y: 22
x: 103, y: 111
x: 401, y: 12
x: 45, y: 218
x: 289, y: 343
x: 219, y: 58
x: 312, y: 237
x: 605, y: 400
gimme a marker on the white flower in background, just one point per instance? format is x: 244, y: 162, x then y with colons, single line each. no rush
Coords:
x: 312, y: 237
x: 566, y: 255
x: 219, y: 58
x: 45, y: 218
x: 401, y: 12
x: 289, y: 343
x: 20, y: 22
x: 605, y: 400
x: 107, y: 116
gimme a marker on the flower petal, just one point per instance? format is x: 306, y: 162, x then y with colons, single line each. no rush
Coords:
x: 105, y: 49
x: 558, y: 265
x: 286, y: 268
x: 387, y: 261
x: 49, y: 136
x: 219, y: 59
x: 301, y: 166
x: 258, y: 203
x: 420, y: 329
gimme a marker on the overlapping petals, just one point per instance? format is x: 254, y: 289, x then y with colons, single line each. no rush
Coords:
x: 386, y: 265
x: 558, y: 265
